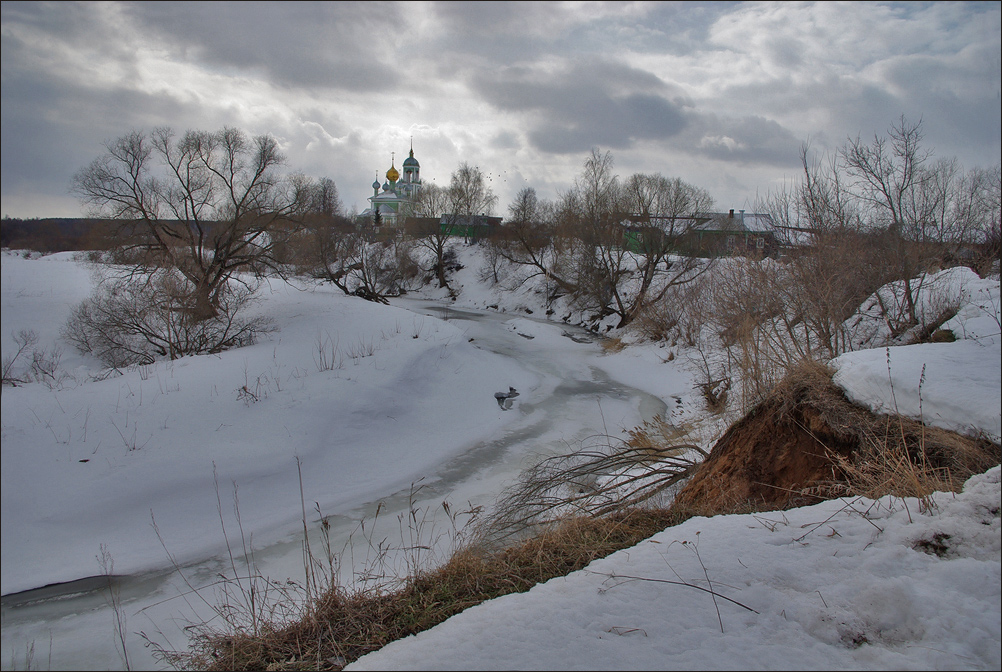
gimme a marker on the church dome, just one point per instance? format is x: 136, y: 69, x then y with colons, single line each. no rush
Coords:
x: 411, y: 161
x: 392, y: 175
x: 375, y: 185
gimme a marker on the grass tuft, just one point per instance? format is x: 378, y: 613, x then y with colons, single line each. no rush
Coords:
x: 344, y: 625
x: 612, y: 344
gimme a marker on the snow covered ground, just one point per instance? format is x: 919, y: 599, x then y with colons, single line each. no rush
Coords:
x: 840, y: 585
x: 369, y: 399
x: 89, y: 462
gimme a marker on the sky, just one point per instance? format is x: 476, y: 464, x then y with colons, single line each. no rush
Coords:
x: 722, y: 95
x: 230, y: 448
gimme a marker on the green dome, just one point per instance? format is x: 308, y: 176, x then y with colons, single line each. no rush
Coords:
x: 411, y: 161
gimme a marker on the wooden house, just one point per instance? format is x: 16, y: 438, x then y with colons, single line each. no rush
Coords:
x: 733, y: 234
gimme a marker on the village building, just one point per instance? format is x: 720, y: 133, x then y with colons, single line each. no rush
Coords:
x: 727, y: 234
x: 708, y: 234
x: 393, y: 201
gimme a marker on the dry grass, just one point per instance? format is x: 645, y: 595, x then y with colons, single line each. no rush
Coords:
x: 658, y: 437
x: 894, y: 455
x: 806, y: 442
x: 344, y: 626
x: 904, y: 458
x: 612, y: 344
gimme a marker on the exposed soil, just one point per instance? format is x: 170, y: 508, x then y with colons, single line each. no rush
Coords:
x: 792, y: 449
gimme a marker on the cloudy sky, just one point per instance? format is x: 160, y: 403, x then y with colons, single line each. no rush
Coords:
x: 719, y: 94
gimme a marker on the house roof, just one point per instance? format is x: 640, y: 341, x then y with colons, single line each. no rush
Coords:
x: 745, y: 222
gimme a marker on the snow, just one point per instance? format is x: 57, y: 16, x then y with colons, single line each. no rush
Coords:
x: 89, y: 462
x: 919, y: 381
x: 838, y: 585
x: 956, y: 385
x: 94, y: 460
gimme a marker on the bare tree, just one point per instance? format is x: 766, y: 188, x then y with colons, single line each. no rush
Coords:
x: 822, y: 204
x: 987, y: 227
x: 329, y: 250
x: 208, y: 205
x: 632, y: 233
x: 588, y: 227
x: 889, y: 177
x: 30, y: 362
x: 528, y: 243
x: 431, y: 203
x: 127, y: 323
x: 664, y: 211
x: 198, y: 218
x: 598, y: 191
x: 612, y: 246
x: 834, y: 263
x: 975, y: 211
x: 469, y: 194
x: 325, y: 199
x: 340, y: 250
x: 466, y: 197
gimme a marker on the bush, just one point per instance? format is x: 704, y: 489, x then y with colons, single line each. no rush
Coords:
x: 31, y: 363
x: 130, y: 321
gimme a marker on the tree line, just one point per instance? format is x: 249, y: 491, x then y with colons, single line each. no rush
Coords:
x: 199, y: 219
x: 55, y: 234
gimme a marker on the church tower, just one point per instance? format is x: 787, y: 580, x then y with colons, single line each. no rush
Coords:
x: 412, y: 173
x: 395, y: 202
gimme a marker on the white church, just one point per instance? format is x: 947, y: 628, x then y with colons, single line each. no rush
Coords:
x: 395, y: 201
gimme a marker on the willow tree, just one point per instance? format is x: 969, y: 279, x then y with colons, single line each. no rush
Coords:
x: 198, y: 220
x: 208, y: 205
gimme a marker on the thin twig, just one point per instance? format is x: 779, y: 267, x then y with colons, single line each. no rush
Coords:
x: 678, y: 583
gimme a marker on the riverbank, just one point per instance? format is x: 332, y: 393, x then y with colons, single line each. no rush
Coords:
x: 369, y: 401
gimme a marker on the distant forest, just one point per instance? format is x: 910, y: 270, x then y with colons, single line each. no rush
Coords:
x: 55, y: 234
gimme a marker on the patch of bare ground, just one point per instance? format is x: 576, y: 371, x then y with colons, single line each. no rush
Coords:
x: 806, y: 442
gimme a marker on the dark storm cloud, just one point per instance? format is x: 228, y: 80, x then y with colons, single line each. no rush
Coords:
x: 340, y: 45
x: 585, y: 103
x: 475, y: 37
x: 519, y: 31
x: 53, y: 29
x: 66, y: 22
x: 610, y: 122
x: 51, y: 129
x: 502, y: 32
x: 479, y: 19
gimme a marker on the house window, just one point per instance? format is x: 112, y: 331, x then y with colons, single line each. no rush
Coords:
x: 760, y: 243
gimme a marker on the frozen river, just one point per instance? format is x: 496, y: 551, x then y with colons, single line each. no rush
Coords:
x: 72, y: 626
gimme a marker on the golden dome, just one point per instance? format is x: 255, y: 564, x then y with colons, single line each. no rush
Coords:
x: 392, y: 175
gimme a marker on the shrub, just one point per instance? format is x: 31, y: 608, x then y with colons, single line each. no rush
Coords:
x: 132, y: 322
x: 31, y: 363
